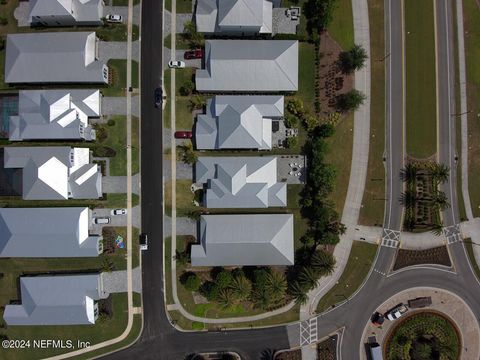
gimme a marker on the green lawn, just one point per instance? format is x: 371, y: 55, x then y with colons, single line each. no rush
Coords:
x: 471, y: 256
x: 359, y: 263
x: 101, y: 331
x: 472, y: 52
x: 183, y: 6
x: 341, y: 27
x: 180, y: 42
x: 184, y: 198
x: 306, y: 75
x: 183, y: 115
x: 340, y: 155
x: 421, y: 123
x: 373, y: 204
x: 124, y: 2
x: 118, y: 68
x: 116, y: 32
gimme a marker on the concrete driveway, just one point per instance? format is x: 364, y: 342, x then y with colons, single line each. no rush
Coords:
x: 117, y: 50
x: 195, y: 63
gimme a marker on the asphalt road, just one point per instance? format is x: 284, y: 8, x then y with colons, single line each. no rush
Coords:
x: 446, y: 105
x: 395, y: 113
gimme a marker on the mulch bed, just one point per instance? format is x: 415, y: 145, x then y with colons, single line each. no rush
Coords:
x: 327, y: 349
x: 290, y: 355
x: 434, y: 256
x: 333, y: 82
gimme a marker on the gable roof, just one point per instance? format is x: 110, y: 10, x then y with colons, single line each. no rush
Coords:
x: 236, y: 122
x: 56, y: 300
x: 249, y: 65
x: 55, y: 172
x: 51, y: 7
x: 54, y: 114
x: 240, y: 182
x: 235, y: 240
x: 53, y: 57
x: 47, y: 232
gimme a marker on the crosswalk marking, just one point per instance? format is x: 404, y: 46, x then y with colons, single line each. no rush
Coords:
x: 390, y: 238
x: 452, y: 233
x: 308, y: 331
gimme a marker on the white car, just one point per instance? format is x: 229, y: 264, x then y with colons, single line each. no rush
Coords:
x: 119, y: 212
x: 176, y: 64
x: 397, y: 312
x: 112, y: 18
x: 102, y: 220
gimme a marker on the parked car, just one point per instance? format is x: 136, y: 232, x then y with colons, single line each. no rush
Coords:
x: 377, y: 319
x: 113, y: 18
x: 183, y: 135
x: 396, y: 312
x: 102, y: 220
x: 193, y: 54
x: 119, y: 212
x: 158, y: 97
x: 143, y: 242
x: 176, y: 64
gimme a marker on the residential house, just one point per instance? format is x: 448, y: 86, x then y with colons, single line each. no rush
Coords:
x: 234, y: 17
x: 57, y: 300
x: 54, y: 57
x: 55, y: 172
x: 55, y: 114
x: 238, y: 240
x: 48, y: 232
x: 249, y: 66
x: 240, y: 182
x: 238, y: 122
x: 66, y: 12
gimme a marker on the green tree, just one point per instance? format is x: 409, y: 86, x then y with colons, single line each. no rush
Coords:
x: 225, y: 298
x: 439, y: 172
x: 292, y: 141
x: 409, y: 173
x: 298, y: 293
x: 187, y: 88
x: 353, y: 59
x: 195, y: 102
x: 224, y: 279
x: 210, y: 290
x: 350, y: 101
x: 241, y: 287
x: 437, y: 228
x: 190, y: 281
x: 421, y: 351
x: 322, y: 262
x: 190, y: 33
x: 408, y: 198
x: 276, y: 286
x: 290, y: 120
x: 308, y: 278
x: 440, y: 201
x: 187, y: 154
x: 319, y: 14
x: 295, y: 107
x: 182, y: 257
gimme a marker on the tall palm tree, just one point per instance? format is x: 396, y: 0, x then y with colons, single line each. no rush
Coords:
x: 408, y: 199
x: 276, y: 286
x: 409, y: 173
x: 308, y: 277
x: 298, y: 293
x: 437, y: 228
x: 322, y: 262
x: 439, y: 201
x: 241, y: 287
x: 225, y: 298
x: 439, y: 172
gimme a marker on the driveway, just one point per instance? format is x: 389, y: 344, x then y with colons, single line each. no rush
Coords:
x: 116, y: 281
x: 195, y: 63
x: 117, y: 105
x: 118, y: 184
x: 123, y: 10
x: 117, y: 50
x: 115, y: 220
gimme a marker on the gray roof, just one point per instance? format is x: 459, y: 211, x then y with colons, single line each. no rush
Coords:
x: 57, y: 57
x: 240, y: 182
x: 235, y: 240
x: 55, y: 172
x: 47, y: 232
x: 234, y: 16
x: 56, y: 300
x: 55, y: 114
x: 238, y: 122
x: 249, y: 66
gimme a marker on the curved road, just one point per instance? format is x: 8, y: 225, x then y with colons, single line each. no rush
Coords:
x: 160, y: 340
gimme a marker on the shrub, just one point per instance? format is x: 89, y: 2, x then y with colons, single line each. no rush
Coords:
x: 103, y: 151
x: 295, y: 107
x: 224, y: 279
x: 186, y: 89
x: 3, y: 20
x: 101, y: 133
x: 290, y: 120
x: 209, y: 290
x: 190, y: 281
x: 353, y: 59
x: 292, y: 141
x: 349, y: 101
x: 310, y: 122
x: 111, y: 122
x: 325, y: 130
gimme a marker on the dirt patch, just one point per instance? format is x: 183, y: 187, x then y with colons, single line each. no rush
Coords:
x: 333, y: 81
x: 434, y: 256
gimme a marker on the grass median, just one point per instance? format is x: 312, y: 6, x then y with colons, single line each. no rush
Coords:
x: 421, y: 114
x: 358, y: 266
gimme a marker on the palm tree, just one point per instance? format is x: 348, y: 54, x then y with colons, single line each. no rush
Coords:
x: 298, y: 293
x: 409, y: 173
x: 195, y: 102
x: 322, y: 262
x: 437, y: 228
x: 439, y: 172
x: 408, y: 199
x: 241, y: 287
x: 308, y: 278
x: 439, y: 201
x: 225, y: 298
x: 276, y: 286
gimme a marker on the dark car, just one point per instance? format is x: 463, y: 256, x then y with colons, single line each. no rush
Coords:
x: 183, y: 134
x: 377, y: 319
x: 193, y: 54
x: 158, y: 97
x: 143, y: 242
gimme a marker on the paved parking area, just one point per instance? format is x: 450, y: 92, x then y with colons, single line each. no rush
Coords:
x: 117, y: 105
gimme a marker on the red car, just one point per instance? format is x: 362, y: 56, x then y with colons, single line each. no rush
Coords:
x: 193, y: 54
x: 183, y: 134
